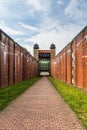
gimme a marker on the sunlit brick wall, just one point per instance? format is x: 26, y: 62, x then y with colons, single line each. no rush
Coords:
x: 70, y: 65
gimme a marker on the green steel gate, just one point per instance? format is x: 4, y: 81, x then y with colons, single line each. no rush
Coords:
x: 44, y: 66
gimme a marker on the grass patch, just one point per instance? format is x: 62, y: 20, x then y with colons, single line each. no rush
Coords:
x: 9, y: 93
x: 75, y: 97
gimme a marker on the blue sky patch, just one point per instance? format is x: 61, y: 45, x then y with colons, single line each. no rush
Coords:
x: 43, y: 21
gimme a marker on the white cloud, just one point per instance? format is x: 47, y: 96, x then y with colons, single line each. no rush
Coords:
x: 60, y: 37
x: 8, y: 9
x: 36, y: 4
x: 3, y: 10
x: 49, y: 29
x: 71, y: 5
x: 29, y: 27
x: 9, y: 30
x: 48, y: 23
x: 28, y: 47
x: 73, y: 11
x: 60, y: 2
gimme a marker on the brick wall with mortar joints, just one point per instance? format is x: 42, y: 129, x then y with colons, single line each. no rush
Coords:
x: 73, y: 68
x: 4, y: 60
x: 13, y: 62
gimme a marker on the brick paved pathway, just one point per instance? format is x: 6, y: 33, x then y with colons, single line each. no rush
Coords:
x: 39, y: 108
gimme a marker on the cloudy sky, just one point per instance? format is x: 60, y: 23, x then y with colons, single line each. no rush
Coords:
x: 43, y: 21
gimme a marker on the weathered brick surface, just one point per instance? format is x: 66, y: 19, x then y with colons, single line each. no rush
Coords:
x: 17, y: 63
x: 68, y: 51
x: 39, y: 108
x: 10, y: 62
x: 71, y: 62
x: 4, y: 60
x: 14, y: 64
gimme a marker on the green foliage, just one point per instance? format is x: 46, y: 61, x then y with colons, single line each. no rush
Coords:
x: 9, y: 93
x: 75, y: 97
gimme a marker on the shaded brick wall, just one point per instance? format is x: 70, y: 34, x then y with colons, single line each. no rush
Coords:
x: 70, y: 65
x: 4, y: 61
x: 10, y: 62
x: 16, y: 64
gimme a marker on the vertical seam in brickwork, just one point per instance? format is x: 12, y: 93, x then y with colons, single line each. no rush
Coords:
x: 14, y: 63
x: 8, y: 62
x: 6, y: 71
x: 71, y: 62
x: 76, y: 73
x: 26, y: 67
x: 23, y: 66
x: 83, y: 61
x: 0, y: 56
x: 66, y: 66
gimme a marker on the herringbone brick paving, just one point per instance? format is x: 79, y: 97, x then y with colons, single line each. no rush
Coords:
x: 39, y: 108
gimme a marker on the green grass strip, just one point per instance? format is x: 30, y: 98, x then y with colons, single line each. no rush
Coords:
x: 75, y: 97
x: 9, y: 93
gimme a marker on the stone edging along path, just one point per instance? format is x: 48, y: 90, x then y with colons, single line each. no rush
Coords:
x: 39, y: 108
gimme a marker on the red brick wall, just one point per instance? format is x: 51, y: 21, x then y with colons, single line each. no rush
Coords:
x: 0, y: 59
x: 85, y: 59
x: 4, y: 60
x: 70, y: 65
x: 11, y: 62
x: 61, y: 65
x: 64, y: 65
x: 79, y: 47
x: 16, y: 64
x: 68, y: 51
